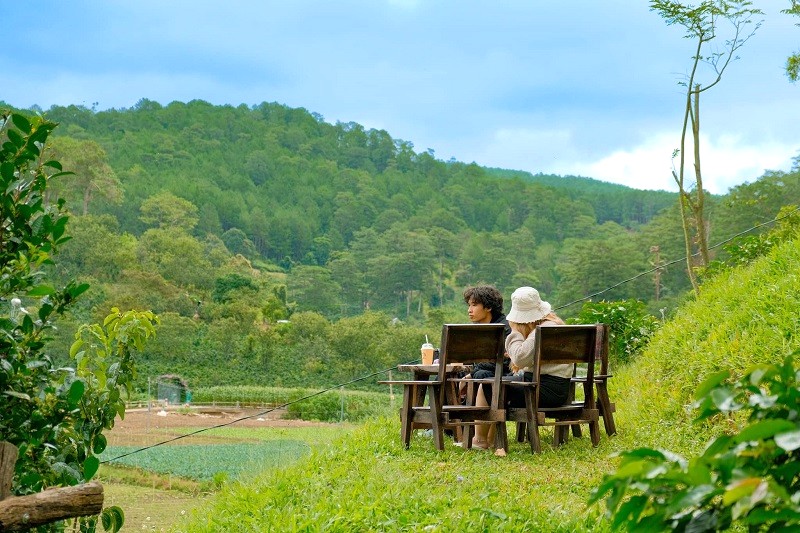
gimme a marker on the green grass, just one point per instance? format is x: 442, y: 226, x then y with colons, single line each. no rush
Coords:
x: 150, y: 508
x: 369, y: 482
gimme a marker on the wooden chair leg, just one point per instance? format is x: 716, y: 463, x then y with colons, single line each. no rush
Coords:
x: 521, y: 431
x: 468, y: 430
x: 594, y: 432
x: 407, y: 415
x: 606, y: 408
x: 533, y: 422
x: 560, y: 435
x: 436, y: 418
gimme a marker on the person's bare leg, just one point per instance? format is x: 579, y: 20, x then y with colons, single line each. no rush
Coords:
x: 482, y: 431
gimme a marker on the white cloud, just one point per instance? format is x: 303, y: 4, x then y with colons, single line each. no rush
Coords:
x: 726, y: 160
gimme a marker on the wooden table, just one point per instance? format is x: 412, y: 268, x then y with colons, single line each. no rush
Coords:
x: 423, y: 373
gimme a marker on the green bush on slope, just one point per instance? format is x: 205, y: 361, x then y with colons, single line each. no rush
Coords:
x: 744, y: 317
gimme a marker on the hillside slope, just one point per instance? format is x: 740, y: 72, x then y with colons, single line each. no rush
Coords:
x: 744, y: 317
x: 371, y: 483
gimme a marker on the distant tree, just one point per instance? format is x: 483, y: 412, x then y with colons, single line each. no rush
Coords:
x: 177, y: 256
x: 96, y: 249
x: 313, y: 289
x: 91, y: 172
x: 349, y: 273
x: 701, y: 23
x: 237, y: 242
x: 165, y: 210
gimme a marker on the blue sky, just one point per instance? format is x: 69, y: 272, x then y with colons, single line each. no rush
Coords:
x: 582, y: 87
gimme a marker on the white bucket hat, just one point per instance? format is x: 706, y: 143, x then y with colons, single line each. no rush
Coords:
x: 527, y: 306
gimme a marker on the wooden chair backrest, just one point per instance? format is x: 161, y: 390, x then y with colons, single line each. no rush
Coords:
x: 566, y: 344
x: 580, y: 344
x: 471, y: 343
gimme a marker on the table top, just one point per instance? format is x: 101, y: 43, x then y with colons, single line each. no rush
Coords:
x: 427, y: 369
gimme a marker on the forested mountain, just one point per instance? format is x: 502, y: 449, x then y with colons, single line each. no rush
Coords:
x: 611, y: 202
x: 228, y: 219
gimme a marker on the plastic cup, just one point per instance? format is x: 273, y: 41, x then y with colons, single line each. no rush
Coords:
x: 427, y: 353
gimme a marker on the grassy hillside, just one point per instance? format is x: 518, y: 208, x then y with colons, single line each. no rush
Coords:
x: 369, y: 482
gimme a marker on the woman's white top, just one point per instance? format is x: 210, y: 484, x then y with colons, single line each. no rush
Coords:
x: 520, y: 350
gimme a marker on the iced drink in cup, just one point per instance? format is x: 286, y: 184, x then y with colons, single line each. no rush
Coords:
x: 427, y: 353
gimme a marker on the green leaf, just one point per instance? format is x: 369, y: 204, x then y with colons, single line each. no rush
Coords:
x: 763, y: 430
x: 21, y: 122
x: 41, y: 290
x: 630, y: 511
x: 99, y: 444
x: 76, y: 346
x: 717, y: 446
x: 15, y: 394
x: 724, y: 399
x: 90, y: 466
x: 698, y: 472
x: 740, y: 489
x: 788, y: 441
x: 112, y: 519
x: 119, y: 517
x: 710, y: 383
x: 16, y: 139
x: 76, y: 391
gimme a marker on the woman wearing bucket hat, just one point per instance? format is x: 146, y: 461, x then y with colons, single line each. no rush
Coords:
x: 528, y: 310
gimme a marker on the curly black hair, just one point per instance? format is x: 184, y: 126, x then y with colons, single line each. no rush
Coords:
x: 488, y: 296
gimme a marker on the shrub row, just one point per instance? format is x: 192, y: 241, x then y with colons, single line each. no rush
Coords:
x: 306, y: 404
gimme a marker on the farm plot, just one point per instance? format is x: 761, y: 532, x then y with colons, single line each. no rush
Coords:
x: 154, y: 498
x: 208, y: 461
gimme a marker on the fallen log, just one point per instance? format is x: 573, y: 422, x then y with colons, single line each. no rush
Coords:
x: 19, y: 513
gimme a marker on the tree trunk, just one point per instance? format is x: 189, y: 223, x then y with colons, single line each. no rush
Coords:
x: 699, y: 203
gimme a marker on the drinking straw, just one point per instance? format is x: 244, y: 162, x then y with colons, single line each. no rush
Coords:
x: 426, y: 339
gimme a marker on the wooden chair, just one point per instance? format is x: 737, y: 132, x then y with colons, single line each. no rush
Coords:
x: 461, y: 344
x: 573, y: 344
x: 605, y: 406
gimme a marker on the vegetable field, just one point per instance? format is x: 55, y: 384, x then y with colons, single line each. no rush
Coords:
x: 158, y: 485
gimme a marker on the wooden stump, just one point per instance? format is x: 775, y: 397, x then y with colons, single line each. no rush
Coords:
x: 8, y: 458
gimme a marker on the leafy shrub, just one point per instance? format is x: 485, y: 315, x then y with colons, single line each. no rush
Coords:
x: 630, y: 325
x: 304, y: 404
x: 339, y: 406
x: 326, y: 407
x: 751, y: 477
x: 54, y: 416
x: 746, y: 249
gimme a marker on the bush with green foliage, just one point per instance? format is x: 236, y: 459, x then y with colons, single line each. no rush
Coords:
x: 54, y: 416
x: 750, y: 477
x: 746, y: 249
x: 630, y: 326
